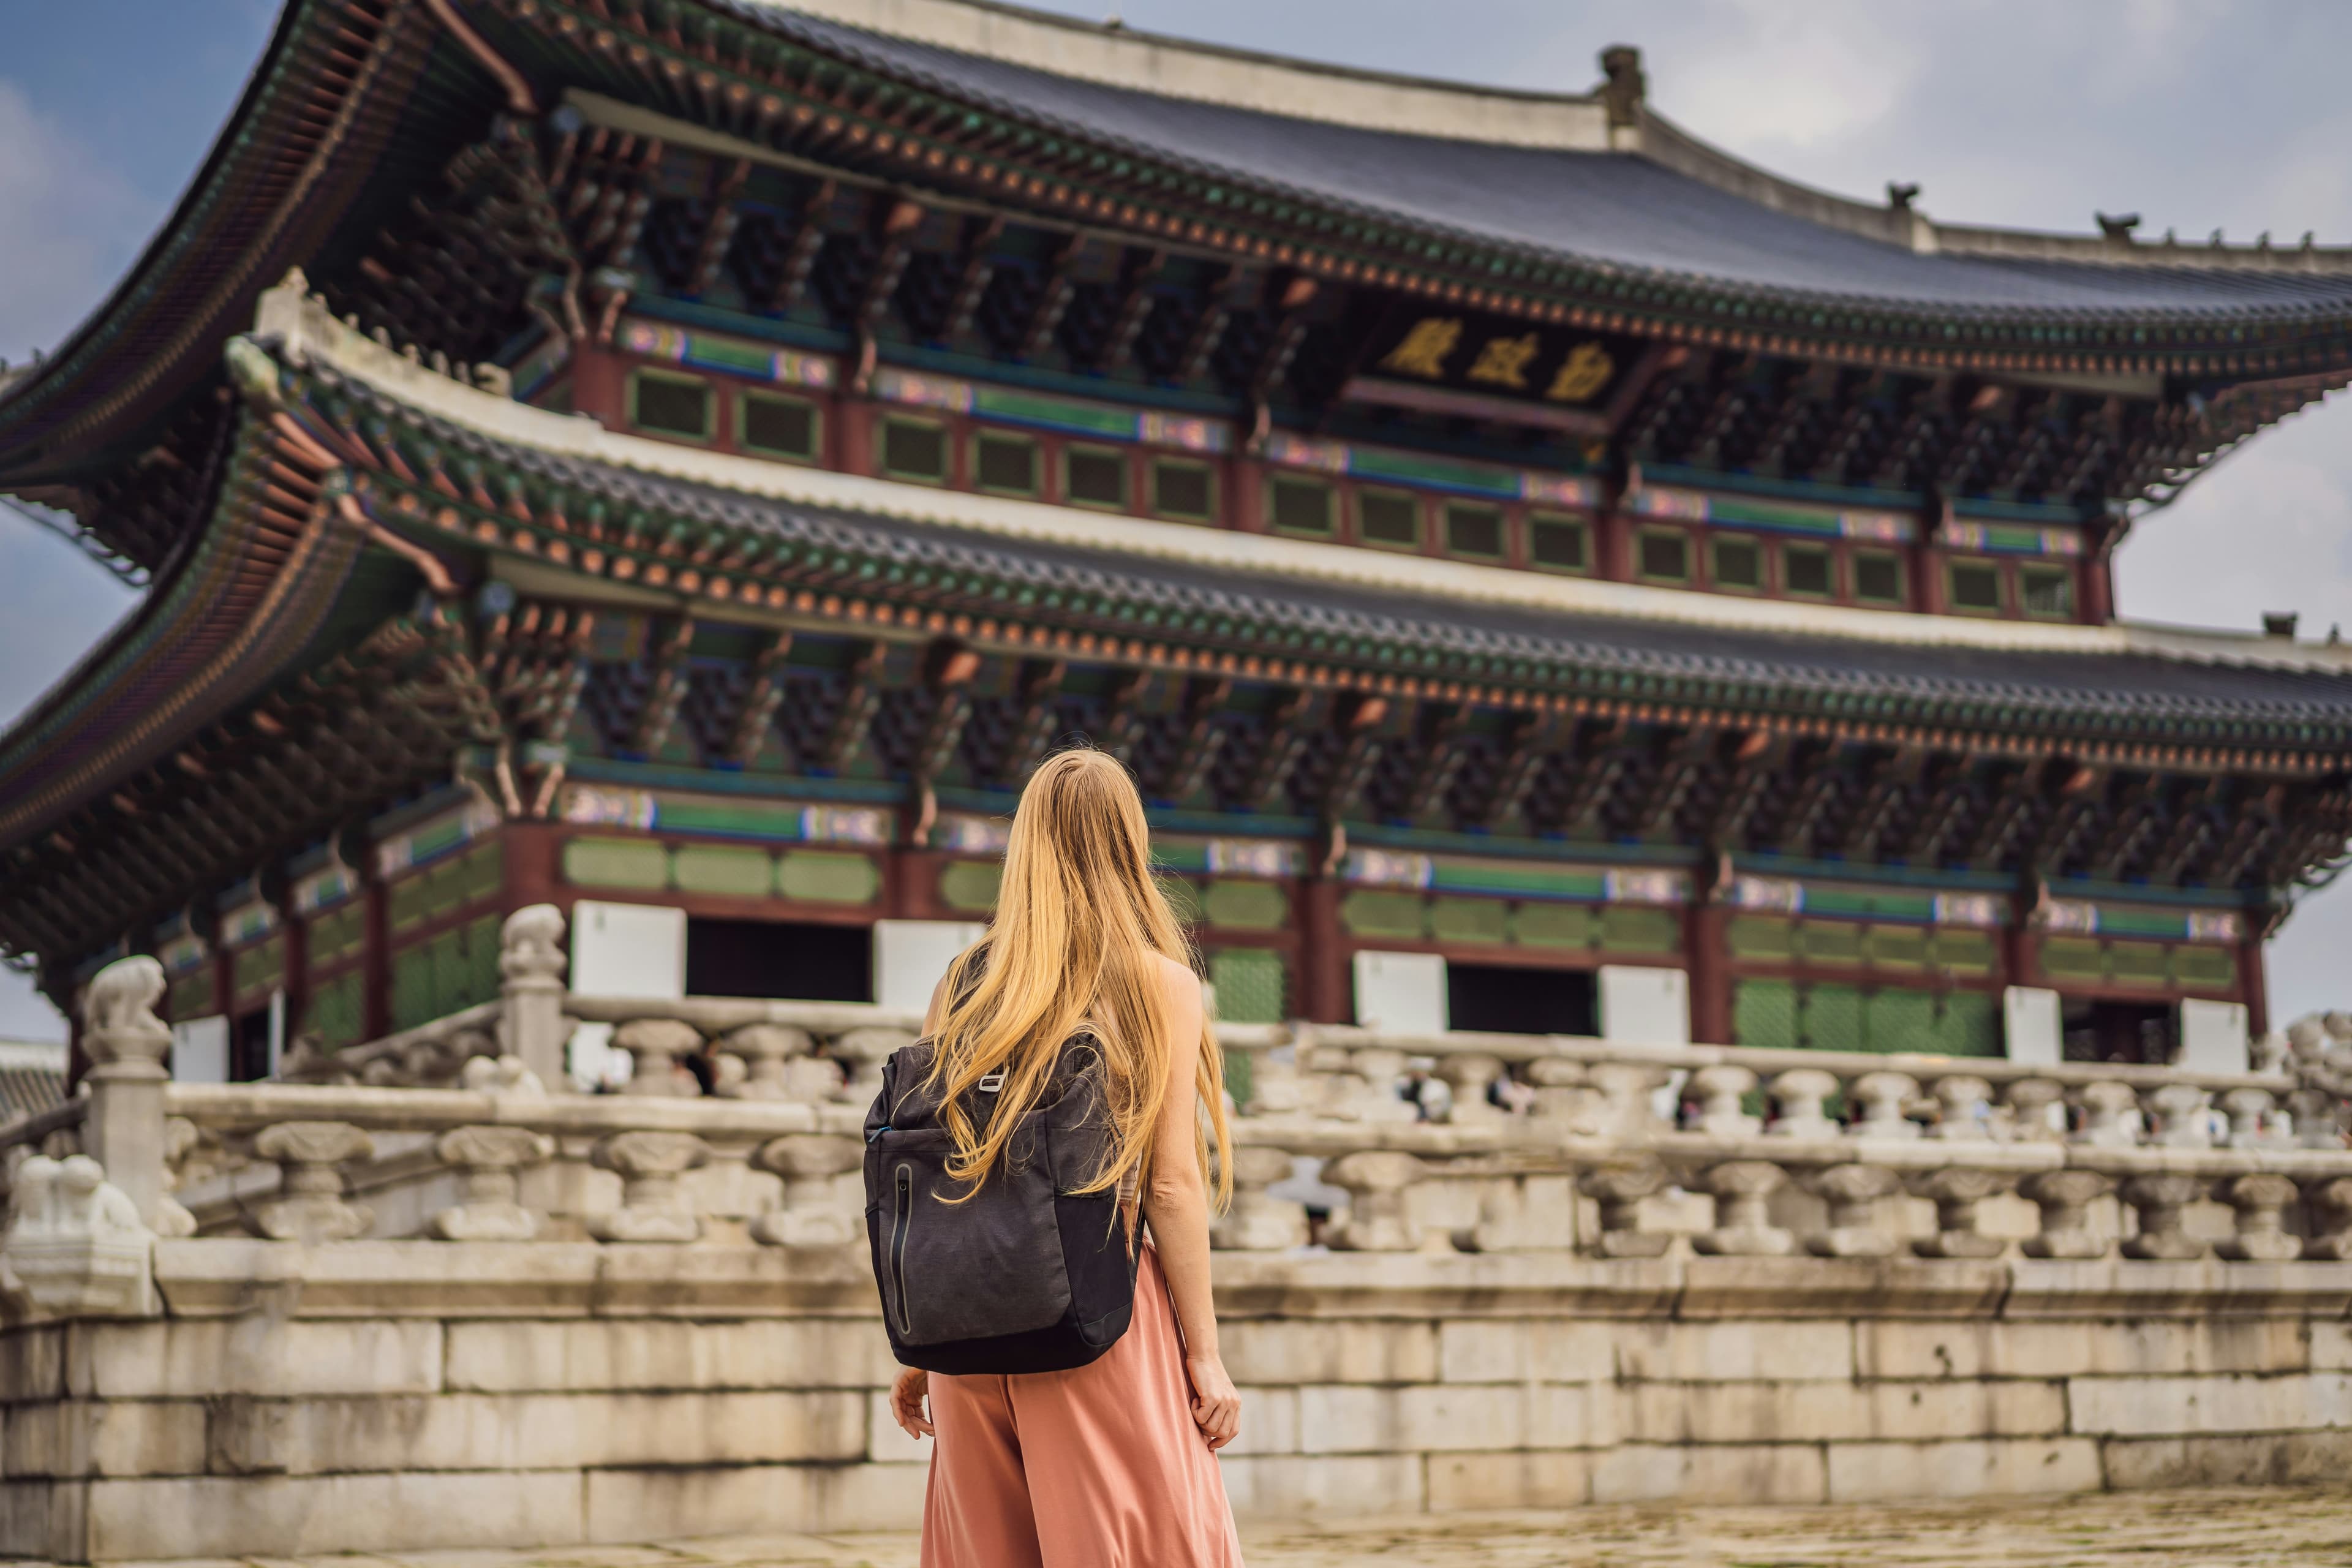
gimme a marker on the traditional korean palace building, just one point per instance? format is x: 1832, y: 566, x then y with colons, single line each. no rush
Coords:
x: 686, y: 460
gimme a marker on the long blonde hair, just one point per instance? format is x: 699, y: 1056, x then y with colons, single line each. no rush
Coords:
x: 1080, y: 921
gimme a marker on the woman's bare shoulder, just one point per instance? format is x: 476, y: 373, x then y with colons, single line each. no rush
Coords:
x: 1177, y: 980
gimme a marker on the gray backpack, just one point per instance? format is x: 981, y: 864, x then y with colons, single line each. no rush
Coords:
x: 1025, y: 1274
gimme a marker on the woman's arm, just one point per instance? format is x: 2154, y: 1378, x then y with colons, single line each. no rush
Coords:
x: 1176, y: 1205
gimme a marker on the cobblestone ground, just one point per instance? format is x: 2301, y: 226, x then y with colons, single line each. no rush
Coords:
x: 2268, y: 1528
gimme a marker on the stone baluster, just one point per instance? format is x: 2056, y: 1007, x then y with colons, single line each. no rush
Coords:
x: 1620, y: 1190
x: 814, y: 1213
x: 1960, y: 1099
x: 1723, y: 1091
x: 2179, y: 1116
x: 1470, y: 1076
x: 491, y: 1158
x: 1628, y: 1092
x: 861, y: 1053
x: 1743, y: 1190
x: 2260, y: 1200
x: 127, y: 1045
x: 1853, y: 1193
x: 653, y: 1206
x: 2250, y: 1111
x: 654, y: 1048
x: 2026, y: 1104
x: 1257, y: 1221
x: 532, y: 1023
x: 310, y: 1155
x: 1275, y: 1087
x: 1376, y: 1181
x: 1956, y: 1190
x: 1363, y: 1088
x: 2065, y: 1198
x: 1798, y: 1095
x: 1883, y: 1097
x: 2328, y: 1201
x: 2313, y: 1112
x: 2103, y: 1104
x: 2161, y: 1199
x: 767, y: 1052
x: 1564, y: 1093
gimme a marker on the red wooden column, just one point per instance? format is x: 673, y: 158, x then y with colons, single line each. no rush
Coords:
x: 531, y: 852
x: 1706, y: 933
x: 1322, y: 965
x: 2253, y: 988
x: 600, y: 387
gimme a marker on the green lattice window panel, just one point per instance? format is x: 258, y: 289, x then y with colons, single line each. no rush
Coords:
x: 1469, y: 921
x: 1366, y: 911
x: 338, y: 1011
x: 969, y: 886
x: 2205, y: 968
x: 1764, y: 1014
x: 1245, y: 905
x: 1553, y: 925
x: 1633, y: 927
x: 1252, y: 984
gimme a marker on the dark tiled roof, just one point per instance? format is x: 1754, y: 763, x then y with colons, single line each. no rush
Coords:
x: 2030, y: 685
x: 1614, y: 209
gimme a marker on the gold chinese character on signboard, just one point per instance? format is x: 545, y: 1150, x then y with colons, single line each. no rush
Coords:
x: 1503, y: 362
x: 1424, y: 349
x: 1585, y: 370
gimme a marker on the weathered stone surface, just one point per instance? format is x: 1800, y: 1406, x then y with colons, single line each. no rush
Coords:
x: 1779, y: 1472
x: 1836, y: 1412
x: 2177, y: 1407
x: 1558, y: 1479
x: 2260, y: 1459
x: 1894, y: 1349
x: 33, y: 1362
x: 1291, y: 1485
x: 1549, y: 1349
x: 1873, y: 1472
x: 539, y: 1432
x: 1452, y: 1418
x: 642, y: 1353
x: 1264, y: 1351
x: 283, y: 1515
x: 1735, y: 1352
x: 653, y: 1504
x: 113, y: 1438
x: 259, y: 1355
x: 1270, y: 1423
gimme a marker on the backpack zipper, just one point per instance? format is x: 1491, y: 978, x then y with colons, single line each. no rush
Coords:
x: 906, y: 1193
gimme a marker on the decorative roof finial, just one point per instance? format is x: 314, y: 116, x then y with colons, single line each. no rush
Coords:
x: 1901, y: 196
x: 1626, y: 88
x: 2119, y: 227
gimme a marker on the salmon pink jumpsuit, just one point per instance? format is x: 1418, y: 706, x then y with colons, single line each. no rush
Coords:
x: 1099, y: 1467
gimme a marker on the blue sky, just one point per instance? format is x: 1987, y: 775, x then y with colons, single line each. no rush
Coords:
x: 2194, y: 113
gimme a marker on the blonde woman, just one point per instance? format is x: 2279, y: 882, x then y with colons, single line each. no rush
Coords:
x: 1111, y: 1463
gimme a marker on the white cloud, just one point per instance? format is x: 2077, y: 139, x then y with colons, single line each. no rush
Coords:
x: 69, y: 227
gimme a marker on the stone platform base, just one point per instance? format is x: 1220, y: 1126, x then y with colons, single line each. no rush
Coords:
x: 399, y: 1397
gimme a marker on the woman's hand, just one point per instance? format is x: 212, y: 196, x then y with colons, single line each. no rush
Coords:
x: 1216, y: 1405
x: 907, y: 1402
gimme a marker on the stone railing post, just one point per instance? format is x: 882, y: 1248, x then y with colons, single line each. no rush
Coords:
x: 1883, y: 1098
x: 2260, y: 1200
x: 2250, y: 1111
x: 491, y: 1158
x: 1620, y: 1190
x: 1562, y: 1089
x: 766, y: 1051
x: 1743, y: 1191
x: 1853, y: 1194
x: 2314, y: 1113
x: 861, y: 1053
x: 1627, y: 1108
x: 2026, y: 1104
x: 1258, y: 1221
x: 653, y: 1208
x: 2162, y: 1200
x: 1276, y: 1088
x: 128, y: 1044
x: 1470, y: 1076
x: 811, y: 1214
x: 2065, y: 1198
x: 2179, y: 1116
x: 1956, y: 1190
x: 311, y: 1155
x: 2329, y: 1202
x: 655, y: 1046
x: 1957, y: 1098
x: 1798, y: 1095
x: 1376, y: 1181
x: 532, y: 1026
x: 2104, y: 1104
x: 1723, y: 1092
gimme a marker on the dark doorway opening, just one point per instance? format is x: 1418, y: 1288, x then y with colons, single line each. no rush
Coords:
x: 1501, y: 998
x: 782, y: 959
x: 2145, y: 1033
x: 249, y: 1047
